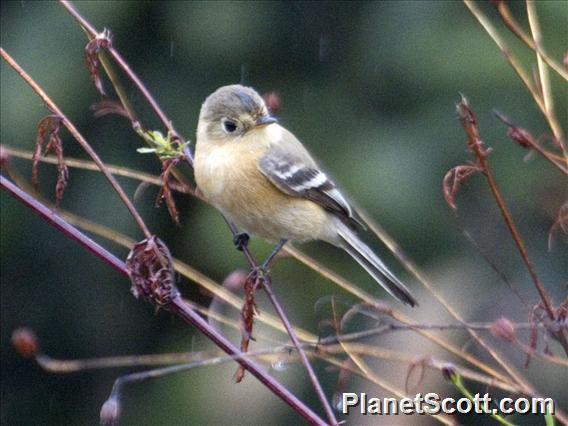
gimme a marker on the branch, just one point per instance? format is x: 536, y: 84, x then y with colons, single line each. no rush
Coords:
x: 178, y: 305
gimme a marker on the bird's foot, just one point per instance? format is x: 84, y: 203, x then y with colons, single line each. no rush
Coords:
x: 241, y: 240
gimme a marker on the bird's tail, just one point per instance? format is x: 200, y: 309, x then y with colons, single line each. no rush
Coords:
x: 351, y: 243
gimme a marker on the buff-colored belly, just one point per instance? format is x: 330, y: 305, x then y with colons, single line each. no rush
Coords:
x: 229, y: 178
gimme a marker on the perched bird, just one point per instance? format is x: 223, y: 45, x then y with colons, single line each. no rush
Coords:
x: 260, y: 176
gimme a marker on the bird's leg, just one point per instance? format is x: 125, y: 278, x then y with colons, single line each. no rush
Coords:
x: 241, y: 240
x: 276, y: 250
x: 259, y: 273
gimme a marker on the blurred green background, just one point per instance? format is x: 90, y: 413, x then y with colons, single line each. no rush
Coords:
x: 371, y: 90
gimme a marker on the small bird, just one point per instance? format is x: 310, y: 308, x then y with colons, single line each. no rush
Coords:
x: 263, y: 180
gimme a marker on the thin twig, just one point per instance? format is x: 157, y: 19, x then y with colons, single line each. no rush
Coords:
x: 79, y: 138
x: 358, y: 360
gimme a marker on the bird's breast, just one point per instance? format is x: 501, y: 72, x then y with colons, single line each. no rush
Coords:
x: 229, y: 178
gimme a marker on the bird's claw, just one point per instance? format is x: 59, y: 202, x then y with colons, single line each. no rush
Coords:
x: 241, y: 240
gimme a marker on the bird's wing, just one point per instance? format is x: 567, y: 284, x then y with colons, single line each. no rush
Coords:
x: 295, y: 173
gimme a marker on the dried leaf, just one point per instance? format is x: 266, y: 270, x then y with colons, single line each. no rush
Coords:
x: 48, y: 129
x: 248, y: 311
x: 151, y: 272
x: 453, y: 180
x: 165, y: 192
x: 469, y: 123
x: 92, y: 60
x: 517, y: 134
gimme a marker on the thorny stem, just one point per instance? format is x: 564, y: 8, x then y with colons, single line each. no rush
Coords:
x: 178, y: 306
x: 469, y: 124
x: 79, y: 138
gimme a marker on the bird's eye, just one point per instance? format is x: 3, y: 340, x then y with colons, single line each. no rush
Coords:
x: 229, y: 126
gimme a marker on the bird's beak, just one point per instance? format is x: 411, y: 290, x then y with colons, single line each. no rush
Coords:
x: 265, y: 120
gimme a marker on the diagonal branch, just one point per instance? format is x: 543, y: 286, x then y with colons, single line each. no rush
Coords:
x: 178, y: 306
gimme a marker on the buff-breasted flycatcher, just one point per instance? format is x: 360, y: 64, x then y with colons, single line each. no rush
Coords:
x: 260, y: 176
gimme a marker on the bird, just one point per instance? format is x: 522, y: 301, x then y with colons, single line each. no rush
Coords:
x: 264, y: 181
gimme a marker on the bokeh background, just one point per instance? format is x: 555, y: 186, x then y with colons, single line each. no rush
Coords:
x: 371, y: 89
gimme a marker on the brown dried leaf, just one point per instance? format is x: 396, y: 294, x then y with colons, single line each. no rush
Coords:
x: 92, y: 49
x: 151, y: 271
x: 248, y: 311
x: 165, y: 192
x: 469, y: 123
x: 48, y: 129
x: 453, y: 180
x: 517, y: 134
